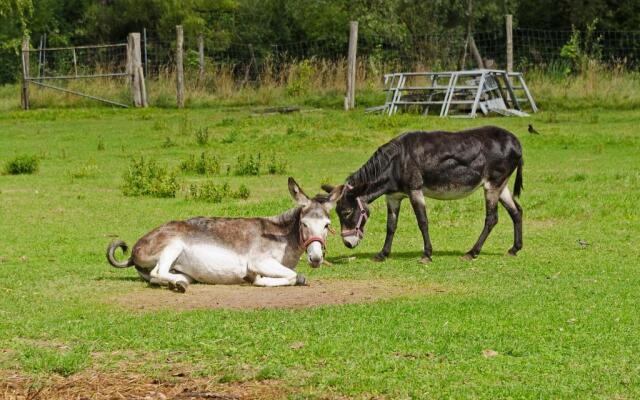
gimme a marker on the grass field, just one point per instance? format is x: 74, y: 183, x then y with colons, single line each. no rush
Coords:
x: 559, y: 321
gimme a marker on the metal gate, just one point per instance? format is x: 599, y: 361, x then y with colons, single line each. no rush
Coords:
x: 50, y: 67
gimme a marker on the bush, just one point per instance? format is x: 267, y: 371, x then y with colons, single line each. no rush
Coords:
x: 202, y: 136
x: 247, y: 165
x: 276, y: 167
x: 213, y: 193
x: 22, y: 164
x: 203, y: 165
x: 149, y: 179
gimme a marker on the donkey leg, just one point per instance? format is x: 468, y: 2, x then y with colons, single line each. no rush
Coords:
x: 515, y: 212
x: 160, y: 274
x: 491, y: 203
x: 271, y: 273
x: 417, y: 202
x: 393, y: 209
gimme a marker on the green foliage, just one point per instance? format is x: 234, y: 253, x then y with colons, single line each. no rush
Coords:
x: 276, y: 167
x: 87, y: 170
x: 147, y: 178
x: 203, y: 165
x: 202, y: 136
x: 299, y: 84
x: 581, y: 51
x: 213, y: 193
x: 247, y: 165
x: 22, y: 164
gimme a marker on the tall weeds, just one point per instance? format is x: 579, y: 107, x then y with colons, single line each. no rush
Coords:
x: 321, y: 83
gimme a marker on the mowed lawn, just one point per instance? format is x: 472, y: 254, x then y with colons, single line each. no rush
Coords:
x: 561, y: 320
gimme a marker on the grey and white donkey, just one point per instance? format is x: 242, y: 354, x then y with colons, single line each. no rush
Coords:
x: 262, y: 251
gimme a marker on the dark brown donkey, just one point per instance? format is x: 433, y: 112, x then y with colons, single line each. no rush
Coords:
x: 263, y: 251
x: 439, y: 165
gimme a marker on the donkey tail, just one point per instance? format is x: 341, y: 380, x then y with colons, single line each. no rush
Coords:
x: 517, y: 187
x: 111, y: 254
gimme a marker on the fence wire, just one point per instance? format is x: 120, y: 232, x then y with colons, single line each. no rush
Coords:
x: 246, y: 62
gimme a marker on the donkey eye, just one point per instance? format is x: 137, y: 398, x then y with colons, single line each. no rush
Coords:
x: 305, y: 225
x: 327, y: 226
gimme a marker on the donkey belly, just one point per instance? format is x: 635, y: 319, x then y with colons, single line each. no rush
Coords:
x: 449, y: 192
x: 209, y: 263
x: 452, y: 180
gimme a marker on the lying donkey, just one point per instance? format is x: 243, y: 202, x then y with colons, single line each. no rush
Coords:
x: 262, y: 251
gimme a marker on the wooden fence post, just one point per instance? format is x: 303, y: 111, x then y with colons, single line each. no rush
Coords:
x: 201, y: 56
x: 24, y: 94
x: 179, y: 67
x: 134, y: 68
x: 475, y: 52
x: 350, y: 99
x: 509, y: 26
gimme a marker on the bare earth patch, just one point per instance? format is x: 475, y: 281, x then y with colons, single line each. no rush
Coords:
x: 97, y: 385
x: 318, y: 293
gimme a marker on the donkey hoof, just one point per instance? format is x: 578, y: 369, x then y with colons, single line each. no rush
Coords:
x: 512, y: 252
x: 171, y: 285
x: 379, y: 257
x: 301, y: 280
x: 468, y: 257
x: 181, y: 287
x: 425, y: 260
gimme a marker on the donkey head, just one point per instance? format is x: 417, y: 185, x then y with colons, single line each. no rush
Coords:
x: 353, y: 214
x: 314, y: 220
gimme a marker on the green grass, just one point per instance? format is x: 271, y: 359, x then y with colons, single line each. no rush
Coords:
x: 563, y: 319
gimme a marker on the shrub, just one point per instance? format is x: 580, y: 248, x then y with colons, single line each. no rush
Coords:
x: 276, y: 167
x: 149, y: 179
x: 22, y: 164
x: 203, y: 165
x: 202, y: 136
x: 247, y: 165
x: 213, y: 193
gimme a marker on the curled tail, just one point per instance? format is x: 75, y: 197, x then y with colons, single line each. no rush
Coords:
x: 111, y: 254
x: 517, y: 187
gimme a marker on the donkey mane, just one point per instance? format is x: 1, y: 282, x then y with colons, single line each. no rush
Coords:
x: 286, y: 217
x: 376, y: 165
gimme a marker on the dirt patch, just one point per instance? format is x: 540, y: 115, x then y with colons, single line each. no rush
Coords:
x: 99, y: 386
x: 318, y: 293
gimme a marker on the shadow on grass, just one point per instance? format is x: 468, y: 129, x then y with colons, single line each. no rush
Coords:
x: 119, y: 278
x: 408, y: 255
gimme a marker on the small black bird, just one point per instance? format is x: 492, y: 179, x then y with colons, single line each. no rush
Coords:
x: 533, y: 130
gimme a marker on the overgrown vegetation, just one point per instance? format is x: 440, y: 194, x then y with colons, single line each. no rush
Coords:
x: 22, y: 164
x: 148, y: 178
x: 247, y: 165
x: 205, y: 164
x: 216, y: 193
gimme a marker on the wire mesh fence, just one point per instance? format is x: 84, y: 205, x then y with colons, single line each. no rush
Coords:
x: 248, y: 63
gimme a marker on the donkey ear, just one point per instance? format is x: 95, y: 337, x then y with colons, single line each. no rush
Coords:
x: 335, y: 195
x: 297, y: 193
x: 327, y: 188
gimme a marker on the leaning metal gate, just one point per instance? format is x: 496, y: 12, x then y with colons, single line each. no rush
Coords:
x: 51, y: 67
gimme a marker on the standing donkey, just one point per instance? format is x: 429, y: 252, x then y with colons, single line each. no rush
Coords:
x: 439, y: 165
x: 262, y: 251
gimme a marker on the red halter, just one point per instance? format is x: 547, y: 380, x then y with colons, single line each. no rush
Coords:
x: 358, y: 230
x: 306, y: 243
